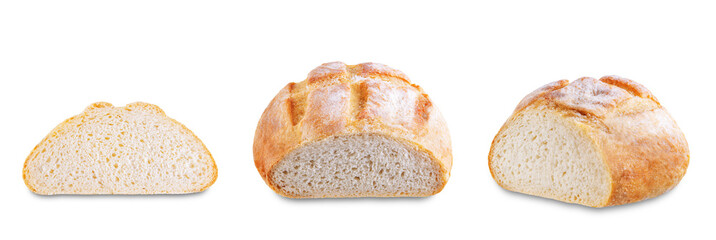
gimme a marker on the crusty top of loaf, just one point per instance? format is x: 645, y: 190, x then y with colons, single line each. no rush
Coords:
x: 593, y: 97
x: 339, y: 99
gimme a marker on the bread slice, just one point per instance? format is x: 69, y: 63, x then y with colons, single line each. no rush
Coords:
x: 134, y: 149
x: 353, y: 131
x: 592, y: 142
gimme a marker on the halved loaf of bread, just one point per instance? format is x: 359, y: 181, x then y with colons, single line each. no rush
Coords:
x: 592, y: 142
x: 353, y: 131
x: 134, y: 149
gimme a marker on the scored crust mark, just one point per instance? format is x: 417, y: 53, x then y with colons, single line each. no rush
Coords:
x: 338, y: 70
x: 588, y: 96
x: 422, y: 108
x: 540, y: 92
x: 366, y: 82
x: 359, y: 94
x: 395, y: 105
x: 296, y: 106
x: 327, y: 71
x: 630, y: 86
x: 337, y: 73
x: 318, y: 121
x: 373, y: 69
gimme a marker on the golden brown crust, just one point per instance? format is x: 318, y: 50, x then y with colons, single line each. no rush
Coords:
x: 540, y: 92
x: 138, y: 106
x: 644, y: 150
x: 646, y: 153
x: 338, y: 99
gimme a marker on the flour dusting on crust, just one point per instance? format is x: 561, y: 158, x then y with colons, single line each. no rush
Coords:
x: 588, y: 95
x: 327, y: 70
x: 540, y: 92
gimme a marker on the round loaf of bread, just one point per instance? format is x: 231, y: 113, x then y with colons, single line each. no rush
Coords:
x: 353, y: 131
x: 592, y: 142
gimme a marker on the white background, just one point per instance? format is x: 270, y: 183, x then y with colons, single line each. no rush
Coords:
x: 215, y: 65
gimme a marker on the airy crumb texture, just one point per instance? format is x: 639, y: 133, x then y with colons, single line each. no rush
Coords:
x: 134, y: 149
x: 542, y: 154
x: 359, y: 165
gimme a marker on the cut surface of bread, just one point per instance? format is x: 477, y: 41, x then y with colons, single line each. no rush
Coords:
x: 353, y: 131
x: 592, y: 142
x: 134, y: 149
x: 357, y: 165
x: 540, y: 153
